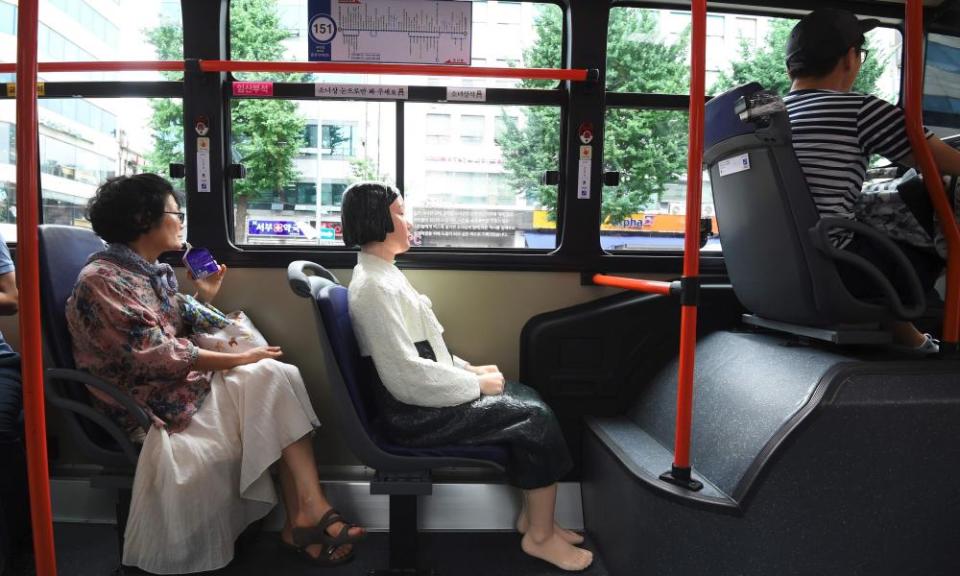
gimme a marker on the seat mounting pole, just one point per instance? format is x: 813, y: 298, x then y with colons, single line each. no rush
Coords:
x: 913, y: 98
x: 679, y: 473
x: 28, y: 273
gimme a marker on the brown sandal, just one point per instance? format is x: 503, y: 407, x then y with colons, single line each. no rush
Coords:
x: 303, y: 537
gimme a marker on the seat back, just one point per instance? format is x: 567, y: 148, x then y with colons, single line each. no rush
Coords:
x: 765, y: 214
x: 63, y: 253
x: 335, y: 314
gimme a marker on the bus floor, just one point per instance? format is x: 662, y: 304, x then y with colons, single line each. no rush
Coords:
x: 91, y: 550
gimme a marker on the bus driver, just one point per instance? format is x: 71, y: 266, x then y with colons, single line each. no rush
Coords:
x: 835, y: 131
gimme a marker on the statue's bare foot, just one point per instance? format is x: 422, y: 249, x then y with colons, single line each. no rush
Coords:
x: 558, y: 552
x: 571, y: 537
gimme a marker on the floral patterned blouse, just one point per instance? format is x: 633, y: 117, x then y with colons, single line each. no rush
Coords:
x: 126, y: 334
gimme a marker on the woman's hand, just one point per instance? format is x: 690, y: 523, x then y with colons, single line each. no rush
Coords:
x: 481, y: 370
x: 491, y: 384
x: 260, y: 353
x: 157, y: 422
x: 210, y: 360
x: 208, y: 287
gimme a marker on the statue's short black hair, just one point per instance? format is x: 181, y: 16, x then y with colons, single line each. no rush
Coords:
x: 126, y: 207
x: 365, y: 213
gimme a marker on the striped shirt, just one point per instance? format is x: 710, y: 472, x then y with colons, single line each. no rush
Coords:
x: 834, y: 135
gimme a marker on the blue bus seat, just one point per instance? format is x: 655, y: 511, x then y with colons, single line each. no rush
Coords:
x: 775, y: 245
x: 402, y: 473
x: 63, y: 253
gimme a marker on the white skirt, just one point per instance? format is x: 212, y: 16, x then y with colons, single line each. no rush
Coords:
x: 195, y: 491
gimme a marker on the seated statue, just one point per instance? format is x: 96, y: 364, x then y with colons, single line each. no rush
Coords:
x: 429, y: 397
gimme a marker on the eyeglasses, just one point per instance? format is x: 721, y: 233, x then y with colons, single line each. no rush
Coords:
x: 180, y: 215
x: 863, y: 54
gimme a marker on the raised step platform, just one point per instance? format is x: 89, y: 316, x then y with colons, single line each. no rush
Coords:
x: 813, y: 463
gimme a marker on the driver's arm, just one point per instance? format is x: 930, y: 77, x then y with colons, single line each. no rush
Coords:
x: 946, y: 157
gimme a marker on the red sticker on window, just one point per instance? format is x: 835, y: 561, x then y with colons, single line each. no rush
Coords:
x: 253, y: 88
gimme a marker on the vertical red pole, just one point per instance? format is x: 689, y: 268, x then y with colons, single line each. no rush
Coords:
x: 931, y: 175
x: 680, y: 473
x: 28, y: 273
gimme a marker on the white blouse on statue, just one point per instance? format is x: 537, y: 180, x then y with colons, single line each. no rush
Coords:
x: 389, y: 316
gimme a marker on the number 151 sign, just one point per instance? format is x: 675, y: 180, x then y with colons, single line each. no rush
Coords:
x: 322, y: 29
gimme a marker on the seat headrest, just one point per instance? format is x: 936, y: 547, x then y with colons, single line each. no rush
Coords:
x: 63, y: 253
x: 721, y: 121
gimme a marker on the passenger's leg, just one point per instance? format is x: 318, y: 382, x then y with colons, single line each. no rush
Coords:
x: 523, y: 524
x: 303, y: 497
x: 14, y: 512
x: 542, y: 541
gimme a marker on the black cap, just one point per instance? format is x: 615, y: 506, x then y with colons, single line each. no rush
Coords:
x: 824, y: 35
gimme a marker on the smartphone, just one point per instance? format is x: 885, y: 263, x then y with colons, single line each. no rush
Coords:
x: 200, y: 263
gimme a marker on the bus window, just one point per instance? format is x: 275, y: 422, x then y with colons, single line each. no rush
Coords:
x: 300, y: 156
x: 84, y: 141
x: 941, y: 84
x: 75, y: 30
x: 278, y: 31
x: 469, y: 180
x: 648, y: 145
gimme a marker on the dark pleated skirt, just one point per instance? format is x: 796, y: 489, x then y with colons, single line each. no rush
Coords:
x: 518, y: 419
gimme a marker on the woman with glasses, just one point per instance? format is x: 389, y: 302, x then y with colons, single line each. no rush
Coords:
x: 221, y: 419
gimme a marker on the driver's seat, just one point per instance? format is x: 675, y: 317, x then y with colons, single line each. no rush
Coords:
x: 775, y: 245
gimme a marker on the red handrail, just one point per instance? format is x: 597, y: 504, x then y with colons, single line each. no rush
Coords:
x: 928, y: 167
x: 650, y: 286
x: 691, y: 241
x: 577, y: 75
x: 690, y: 285
x: 28, y: 272
x: 104, y: 66
x: 403, y: 69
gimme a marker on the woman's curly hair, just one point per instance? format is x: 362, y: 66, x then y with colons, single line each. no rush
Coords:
x: 126, y: 207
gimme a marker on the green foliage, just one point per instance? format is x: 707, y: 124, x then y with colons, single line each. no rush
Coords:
x: 648, y: 146
x: 766, y: 64
x: 267, y: 134
x: 366, y: 170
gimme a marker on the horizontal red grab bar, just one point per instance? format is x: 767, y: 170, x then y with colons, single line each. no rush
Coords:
x: 405, y: 69
x: 337, y: 67
x: 103, y: 66
x: 649, y: 286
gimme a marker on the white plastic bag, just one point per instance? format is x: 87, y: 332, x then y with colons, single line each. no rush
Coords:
x: 239, y: 335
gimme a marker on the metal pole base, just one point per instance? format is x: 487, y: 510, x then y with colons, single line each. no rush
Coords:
x: 681, y: 477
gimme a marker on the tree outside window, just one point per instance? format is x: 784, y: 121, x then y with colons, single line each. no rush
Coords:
x: 338, y: 140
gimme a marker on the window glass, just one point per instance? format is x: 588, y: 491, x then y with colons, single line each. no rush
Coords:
x: 646, y: 211
x: 479, y: 188
x: 740, y: 49
x: 277, y: 30
x: 339, y: 139
x: 941, y: 83
x: 278, y: 201
x: 437, y: 128
x: 472, y: 128
x: 77, y: 155
x: 86, y: 30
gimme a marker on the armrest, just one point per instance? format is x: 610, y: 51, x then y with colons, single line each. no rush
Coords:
x: 823, y: 243
x: 307, y: 278
x: 79, y: 378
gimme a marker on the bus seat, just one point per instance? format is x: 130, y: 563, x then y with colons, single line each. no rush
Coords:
x: 775, y: 245
x: 401, y: 473
x: 63, y: 253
